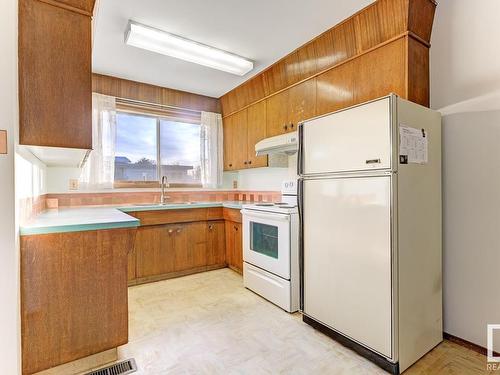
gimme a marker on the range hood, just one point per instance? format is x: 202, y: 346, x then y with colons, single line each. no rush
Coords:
x: 280, y: 144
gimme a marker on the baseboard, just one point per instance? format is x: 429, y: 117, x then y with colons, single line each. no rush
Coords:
x: 467, y: 344
x: 83, y: 365
x: 392, y: 368
x: 173, y: 275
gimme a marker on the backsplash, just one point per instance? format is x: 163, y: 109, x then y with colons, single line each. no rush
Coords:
x: 29, y: 207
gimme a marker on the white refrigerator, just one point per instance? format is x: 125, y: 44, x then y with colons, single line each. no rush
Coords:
x: 370, y: 241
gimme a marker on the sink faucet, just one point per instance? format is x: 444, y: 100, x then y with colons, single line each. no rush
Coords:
x: 164, y: 184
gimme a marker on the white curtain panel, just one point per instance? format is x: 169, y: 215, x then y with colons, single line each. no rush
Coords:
x: 98, y: 172
x: 211, y: 150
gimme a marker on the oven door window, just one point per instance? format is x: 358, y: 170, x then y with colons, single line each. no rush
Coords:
x: 264, y: 239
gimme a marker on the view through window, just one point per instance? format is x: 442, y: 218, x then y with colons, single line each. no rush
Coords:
x: 148, y: 147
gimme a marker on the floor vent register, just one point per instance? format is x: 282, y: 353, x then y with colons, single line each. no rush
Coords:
x: 119, y: 368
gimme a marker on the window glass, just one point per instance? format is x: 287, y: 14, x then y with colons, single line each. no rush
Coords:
x: 135, y: 148
x: 180, y: 152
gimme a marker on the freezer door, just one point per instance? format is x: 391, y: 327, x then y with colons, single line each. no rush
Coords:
x: 356, y: 139
x: 347, y: 257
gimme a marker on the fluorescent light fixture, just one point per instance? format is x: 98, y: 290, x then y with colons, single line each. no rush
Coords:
x: 160, y: 41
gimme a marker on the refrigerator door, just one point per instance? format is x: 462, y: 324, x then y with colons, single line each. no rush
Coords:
x: 346, y: 257
x: 355, y: 139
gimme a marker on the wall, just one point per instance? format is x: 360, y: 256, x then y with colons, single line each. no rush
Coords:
x: 9, y: 253
x: 465, y: 87
x: 263, y: 178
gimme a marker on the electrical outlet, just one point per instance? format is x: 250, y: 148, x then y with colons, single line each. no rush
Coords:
x: 73, y: 184
x: 235, y: 184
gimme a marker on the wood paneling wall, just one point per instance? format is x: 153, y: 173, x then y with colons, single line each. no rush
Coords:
x: 353, y: 50
x: 122, y: 88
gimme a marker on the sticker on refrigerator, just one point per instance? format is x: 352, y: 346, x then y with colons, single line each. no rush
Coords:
x: 413, y: 145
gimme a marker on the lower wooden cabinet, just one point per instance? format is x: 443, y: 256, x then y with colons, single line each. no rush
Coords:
x: 216, y: 244
x: 73, y: 295
x: 170, y: 250
x: 234, y: 246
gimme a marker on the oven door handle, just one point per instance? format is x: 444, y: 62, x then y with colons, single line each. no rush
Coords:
x: 261, y: 215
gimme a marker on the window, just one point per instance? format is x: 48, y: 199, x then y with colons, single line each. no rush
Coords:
x: 150, y: 146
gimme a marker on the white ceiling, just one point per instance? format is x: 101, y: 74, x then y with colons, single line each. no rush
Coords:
x: 261, y: 30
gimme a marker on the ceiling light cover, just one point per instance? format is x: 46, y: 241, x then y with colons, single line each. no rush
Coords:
x: 160, y: 41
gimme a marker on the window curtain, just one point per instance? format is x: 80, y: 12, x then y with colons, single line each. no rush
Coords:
x: 211, y: 150
x: 99, y: 170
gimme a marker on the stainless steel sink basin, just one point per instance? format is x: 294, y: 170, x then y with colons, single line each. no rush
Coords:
x: 161, y: 204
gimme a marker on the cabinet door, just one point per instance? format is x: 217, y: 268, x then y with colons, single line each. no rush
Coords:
x: 55, y: 78
x: 301, y: 103
x: 335, y: 89
x: 240, y: 135
x: 197, y: 243
x: 256, y: 132
x: 229, y: 232
x: 154, y: 246
x: 234, y: 246
x: 238, y: 246
x: 277, y: 114
x: 216, y: 243
x: 190, y: 246
x: 228, y: 126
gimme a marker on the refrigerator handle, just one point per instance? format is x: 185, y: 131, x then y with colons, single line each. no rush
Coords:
x: 300, y: 202
x: 299, y: 150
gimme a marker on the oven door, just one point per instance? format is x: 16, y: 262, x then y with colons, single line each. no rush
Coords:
x: 266, y: 241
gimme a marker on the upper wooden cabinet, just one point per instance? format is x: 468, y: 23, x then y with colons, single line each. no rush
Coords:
x: 380, y: 23
x: 55, y: 79
x: 277, y: 114
x: 241, y: 132
x: 301, y: 103
x: 288, y: 108
x: 256, y: 132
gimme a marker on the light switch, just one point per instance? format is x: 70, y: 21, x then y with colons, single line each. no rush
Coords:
x: 3, y: 141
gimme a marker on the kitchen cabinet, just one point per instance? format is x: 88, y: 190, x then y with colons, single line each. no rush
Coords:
x: 234, y: 239
x: 277, y: 114
x: 154, y: 249
x: 234, y: 246
x: 288, y: 108
x: 55, y: 79
x: 216, y: 244
x: 228, y: 139
x: 73, y: 295
x: 198, y: 241
x: 172, y: 243
x: 256, y: 132
x: 301, y: 103
x: 242, y: 131
x: 240, y: 139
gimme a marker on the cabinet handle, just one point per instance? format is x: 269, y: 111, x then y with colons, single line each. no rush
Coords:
x: 170, y: 231
x: 249, y: 162
x: 245, y: 163
x: 210, y: 227
x: 291, y: 125
x: 285, y: 127
x: 230, y: 165
x: 178, y: 230
x: 235, y: 228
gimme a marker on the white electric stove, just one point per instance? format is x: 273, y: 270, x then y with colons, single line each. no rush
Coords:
x: 270, y: 248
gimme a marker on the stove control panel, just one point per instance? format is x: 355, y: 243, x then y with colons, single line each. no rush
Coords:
x: 289, y: 187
